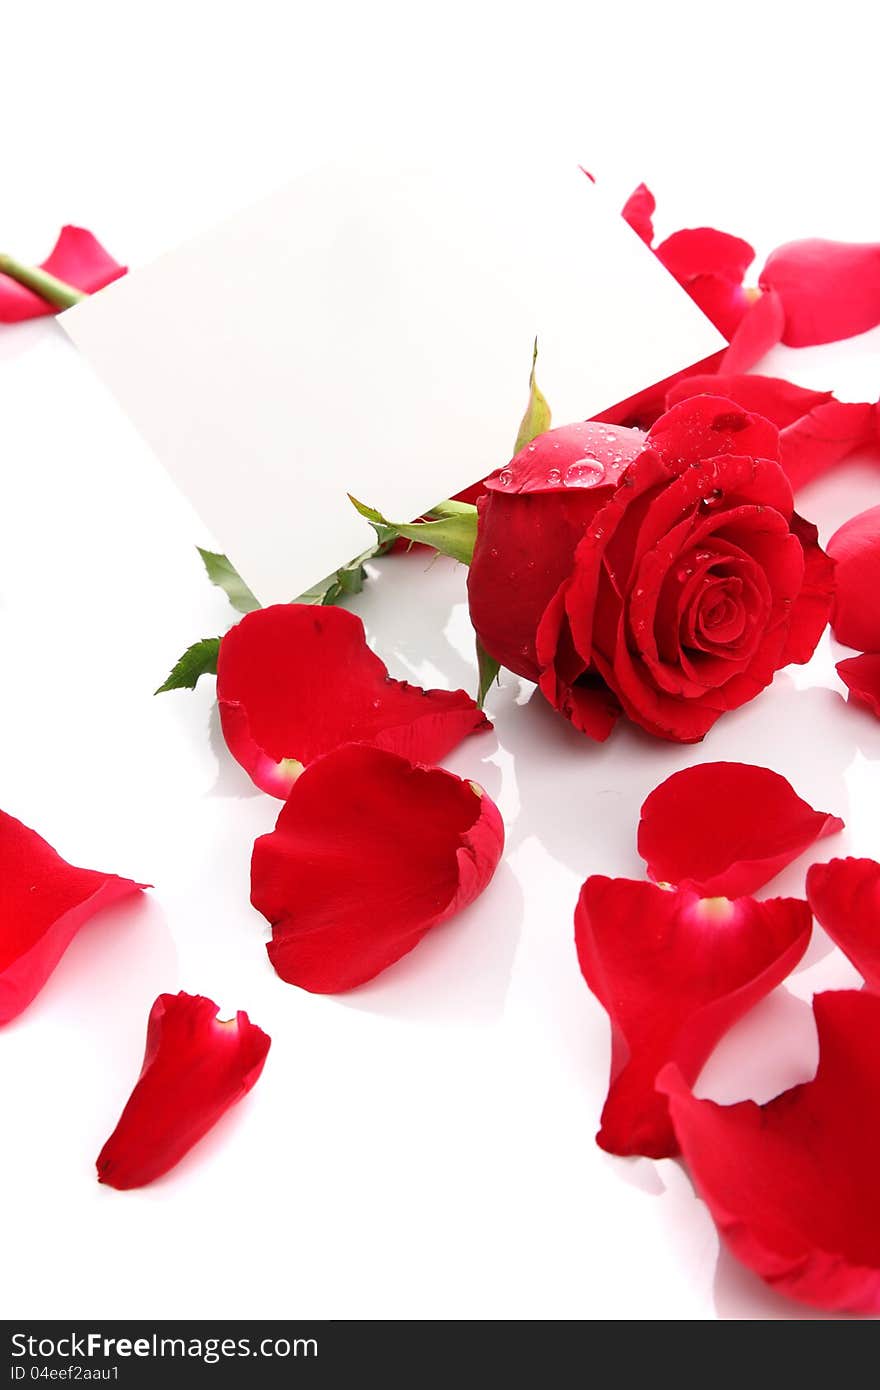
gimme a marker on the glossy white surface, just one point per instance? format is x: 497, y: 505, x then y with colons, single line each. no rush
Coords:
x: 423, y: 1147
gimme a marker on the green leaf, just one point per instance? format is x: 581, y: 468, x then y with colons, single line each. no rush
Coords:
x: 349, y: 579
x: 198, y: 660
x: 488, y: 669
x: 453, y: 532
x: 224, y: 574
x: 537, y: 417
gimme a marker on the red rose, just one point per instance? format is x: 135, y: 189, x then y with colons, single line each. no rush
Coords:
x: 666, y: 575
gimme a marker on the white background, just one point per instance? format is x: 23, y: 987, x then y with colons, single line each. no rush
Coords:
x: 424, y: 1146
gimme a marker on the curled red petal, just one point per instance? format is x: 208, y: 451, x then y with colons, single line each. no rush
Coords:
x: 811, y: 609
x: 816, y: 429
x: 779, y: 401
x: 43, y: 903
x: 861, y: 676
x: 726, y: 828
x: 855, y: 549
x: 531, y: 520
x: 195, y: 1067
x: 295, y: 681
x: 760, y: 328
x: 710, y: 265
x: 674, y: 972
x: 792, y: 1185
x: 706, y: 427
x: 698, y: 251
x: 638, y: 211
x: 845, y: 897
x: 368, y: 854
x: 828, y: 289
x: 78, y: 259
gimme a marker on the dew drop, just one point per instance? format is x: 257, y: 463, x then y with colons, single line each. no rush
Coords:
x: 585, y: 472
x: 505, y: 477
x: 553, y: 475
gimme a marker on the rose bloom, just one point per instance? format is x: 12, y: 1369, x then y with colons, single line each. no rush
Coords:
x: 666, y: 575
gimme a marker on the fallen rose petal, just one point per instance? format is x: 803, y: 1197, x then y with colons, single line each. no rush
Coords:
x: 792, y: 1185
x: 77, y: 258
x: 855, y: 549
x: 697, y: 251
x: 43, y: 903
x: 861, y: 674
x: 828, y: 289
x: 368, y: 854
x: 710, y: 265
x: 638, y: 211
x: 726, y: 828
x: 295, y: 681
x: 845, y: 897
x: 759, y: 329
x: 195, y: 1067
x: 674, y: 972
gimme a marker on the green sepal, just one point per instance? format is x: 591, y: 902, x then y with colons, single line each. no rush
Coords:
x: 488, y: 669
x: 537, y: 417
x: 452, y: 531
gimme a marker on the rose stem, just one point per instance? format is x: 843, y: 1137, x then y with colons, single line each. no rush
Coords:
x: 47, y: 286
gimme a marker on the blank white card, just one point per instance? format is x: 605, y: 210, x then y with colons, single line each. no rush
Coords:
x: 370, y: 331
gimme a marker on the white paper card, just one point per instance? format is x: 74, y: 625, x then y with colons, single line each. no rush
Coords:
x: 371, y: 331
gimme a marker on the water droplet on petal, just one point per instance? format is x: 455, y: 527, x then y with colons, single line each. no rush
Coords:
x: 553, y: 475
x: 585, y: 472
x: 505, y: 477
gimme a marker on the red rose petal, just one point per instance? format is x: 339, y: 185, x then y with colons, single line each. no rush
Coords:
x: 368, y: 854
x: 638, y: 211
x: 710, y: 265
x: 845, y: 897
x: 812, y: 607
x: 706, y: 427
x: 530, y: 522
x: 828, y: 289
x: 816, y: 429
x: 295, y: 681
x: 726, y: 828
x: 855, y: 549
x: 760, y: 328
x: 195, y: 1067
x: 792, y: 1185
x: 77, y: 258
x: 698, y: 251
x: 778, y: 401
x: 43, y: 903
x: 674, y: 972
x: 861, y: 674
